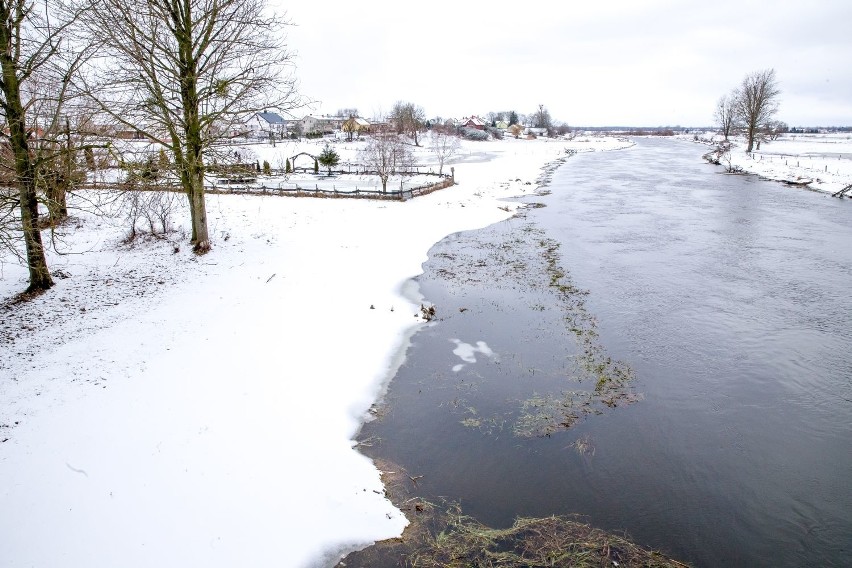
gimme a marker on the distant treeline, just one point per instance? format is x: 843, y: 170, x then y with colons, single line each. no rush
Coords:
x: 819, y: 129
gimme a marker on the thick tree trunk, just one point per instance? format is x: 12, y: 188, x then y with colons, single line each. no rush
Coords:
x: 24, y: 172
x: 56, y: 191
x: 58, y: 199
x: 39, y: 274
x: 750, y: 135
x: 193, y: 173
x: 56, y: 203
x: 192, y: 180
x: 198, y: 209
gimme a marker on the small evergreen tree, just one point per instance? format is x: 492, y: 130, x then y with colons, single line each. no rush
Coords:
x: 316, y: 166
x: 267, y: 169
x: 329, y: 158
x: 288, y: 169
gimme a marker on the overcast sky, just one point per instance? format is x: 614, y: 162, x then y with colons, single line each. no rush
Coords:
x: 592, y: 63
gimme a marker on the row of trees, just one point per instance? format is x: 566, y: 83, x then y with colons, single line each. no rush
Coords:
x: 539, y: 118
x: 409, y: 119
x: 750, y: 108
x: 179, y: 72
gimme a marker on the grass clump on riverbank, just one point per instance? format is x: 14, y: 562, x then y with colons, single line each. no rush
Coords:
x: 533, y: 542
x: 444, y: 537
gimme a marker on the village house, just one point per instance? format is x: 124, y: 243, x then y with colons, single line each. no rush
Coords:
x: 473, y: 122
x: 355, y: 125
x: 324, y: 124
x: 265, y: 125
x: 535, y: 131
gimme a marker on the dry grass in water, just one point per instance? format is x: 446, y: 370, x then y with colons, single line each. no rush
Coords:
x: 443, y: 537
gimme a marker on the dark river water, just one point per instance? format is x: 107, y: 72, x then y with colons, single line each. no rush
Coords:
x: 723, y: 307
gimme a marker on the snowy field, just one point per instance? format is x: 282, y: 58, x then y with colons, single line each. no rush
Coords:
x: 823, y: 162
x: 162, y: 409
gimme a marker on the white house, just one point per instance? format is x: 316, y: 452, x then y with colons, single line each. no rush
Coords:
x: 321, y: 124
x: 266, y: 125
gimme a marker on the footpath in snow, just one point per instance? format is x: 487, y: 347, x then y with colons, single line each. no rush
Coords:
x: 161, y: 409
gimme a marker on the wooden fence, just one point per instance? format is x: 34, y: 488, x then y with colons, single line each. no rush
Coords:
x: 245, y: 185
x: 304, y: 190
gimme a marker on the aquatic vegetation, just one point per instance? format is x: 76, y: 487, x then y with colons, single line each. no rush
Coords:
x: 584, y: 447
x: 442, y: 536
x: 612, y: 380
x: 542, y: 415
x: 585, y: 379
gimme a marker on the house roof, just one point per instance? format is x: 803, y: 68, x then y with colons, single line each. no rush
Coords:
x: 271, y: 117
x: 475, y: 120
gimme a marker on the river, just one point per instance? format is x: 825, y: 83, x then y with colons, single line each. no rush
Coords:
x: 724, y: 302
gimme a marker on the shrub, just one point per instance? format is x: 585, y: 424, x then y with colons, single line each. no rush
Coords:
x: 267, y: 169
x: 474, y: 134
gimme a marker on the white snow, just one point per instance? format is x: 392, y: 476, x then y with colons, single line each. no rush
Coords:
x: 161, y: 409
x: 467, y: 352
x: 821, y: 161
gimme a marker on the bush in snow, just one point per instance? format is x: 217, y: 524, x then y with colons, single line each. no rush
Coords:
x: 474, y: 134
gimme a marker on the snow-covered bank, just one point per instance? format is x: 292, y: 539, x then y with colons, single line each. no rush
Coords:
x: 160, y: 409
x: 822, y: 162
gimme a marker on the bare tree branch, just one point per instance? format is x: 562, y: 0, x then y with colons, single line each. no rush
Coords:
x: 185, y: 72
x: 757, y: 102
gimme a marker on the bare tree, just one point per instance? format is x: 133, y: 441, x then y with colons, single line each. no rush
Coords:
x: 726, y: 113
x: 757, y: 102
x: 541, y: 118
x: 775, y: 128
x: 54, y: 143
x: 494, y: 117
x: 444, y: 145
x: 29, y: 48
x: 183, y: 72
x: 409, y: 119
x: 386, y: 154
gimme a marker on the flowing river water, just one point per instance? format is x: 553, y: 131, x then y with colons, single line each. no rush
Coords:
x: 661, y: 348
